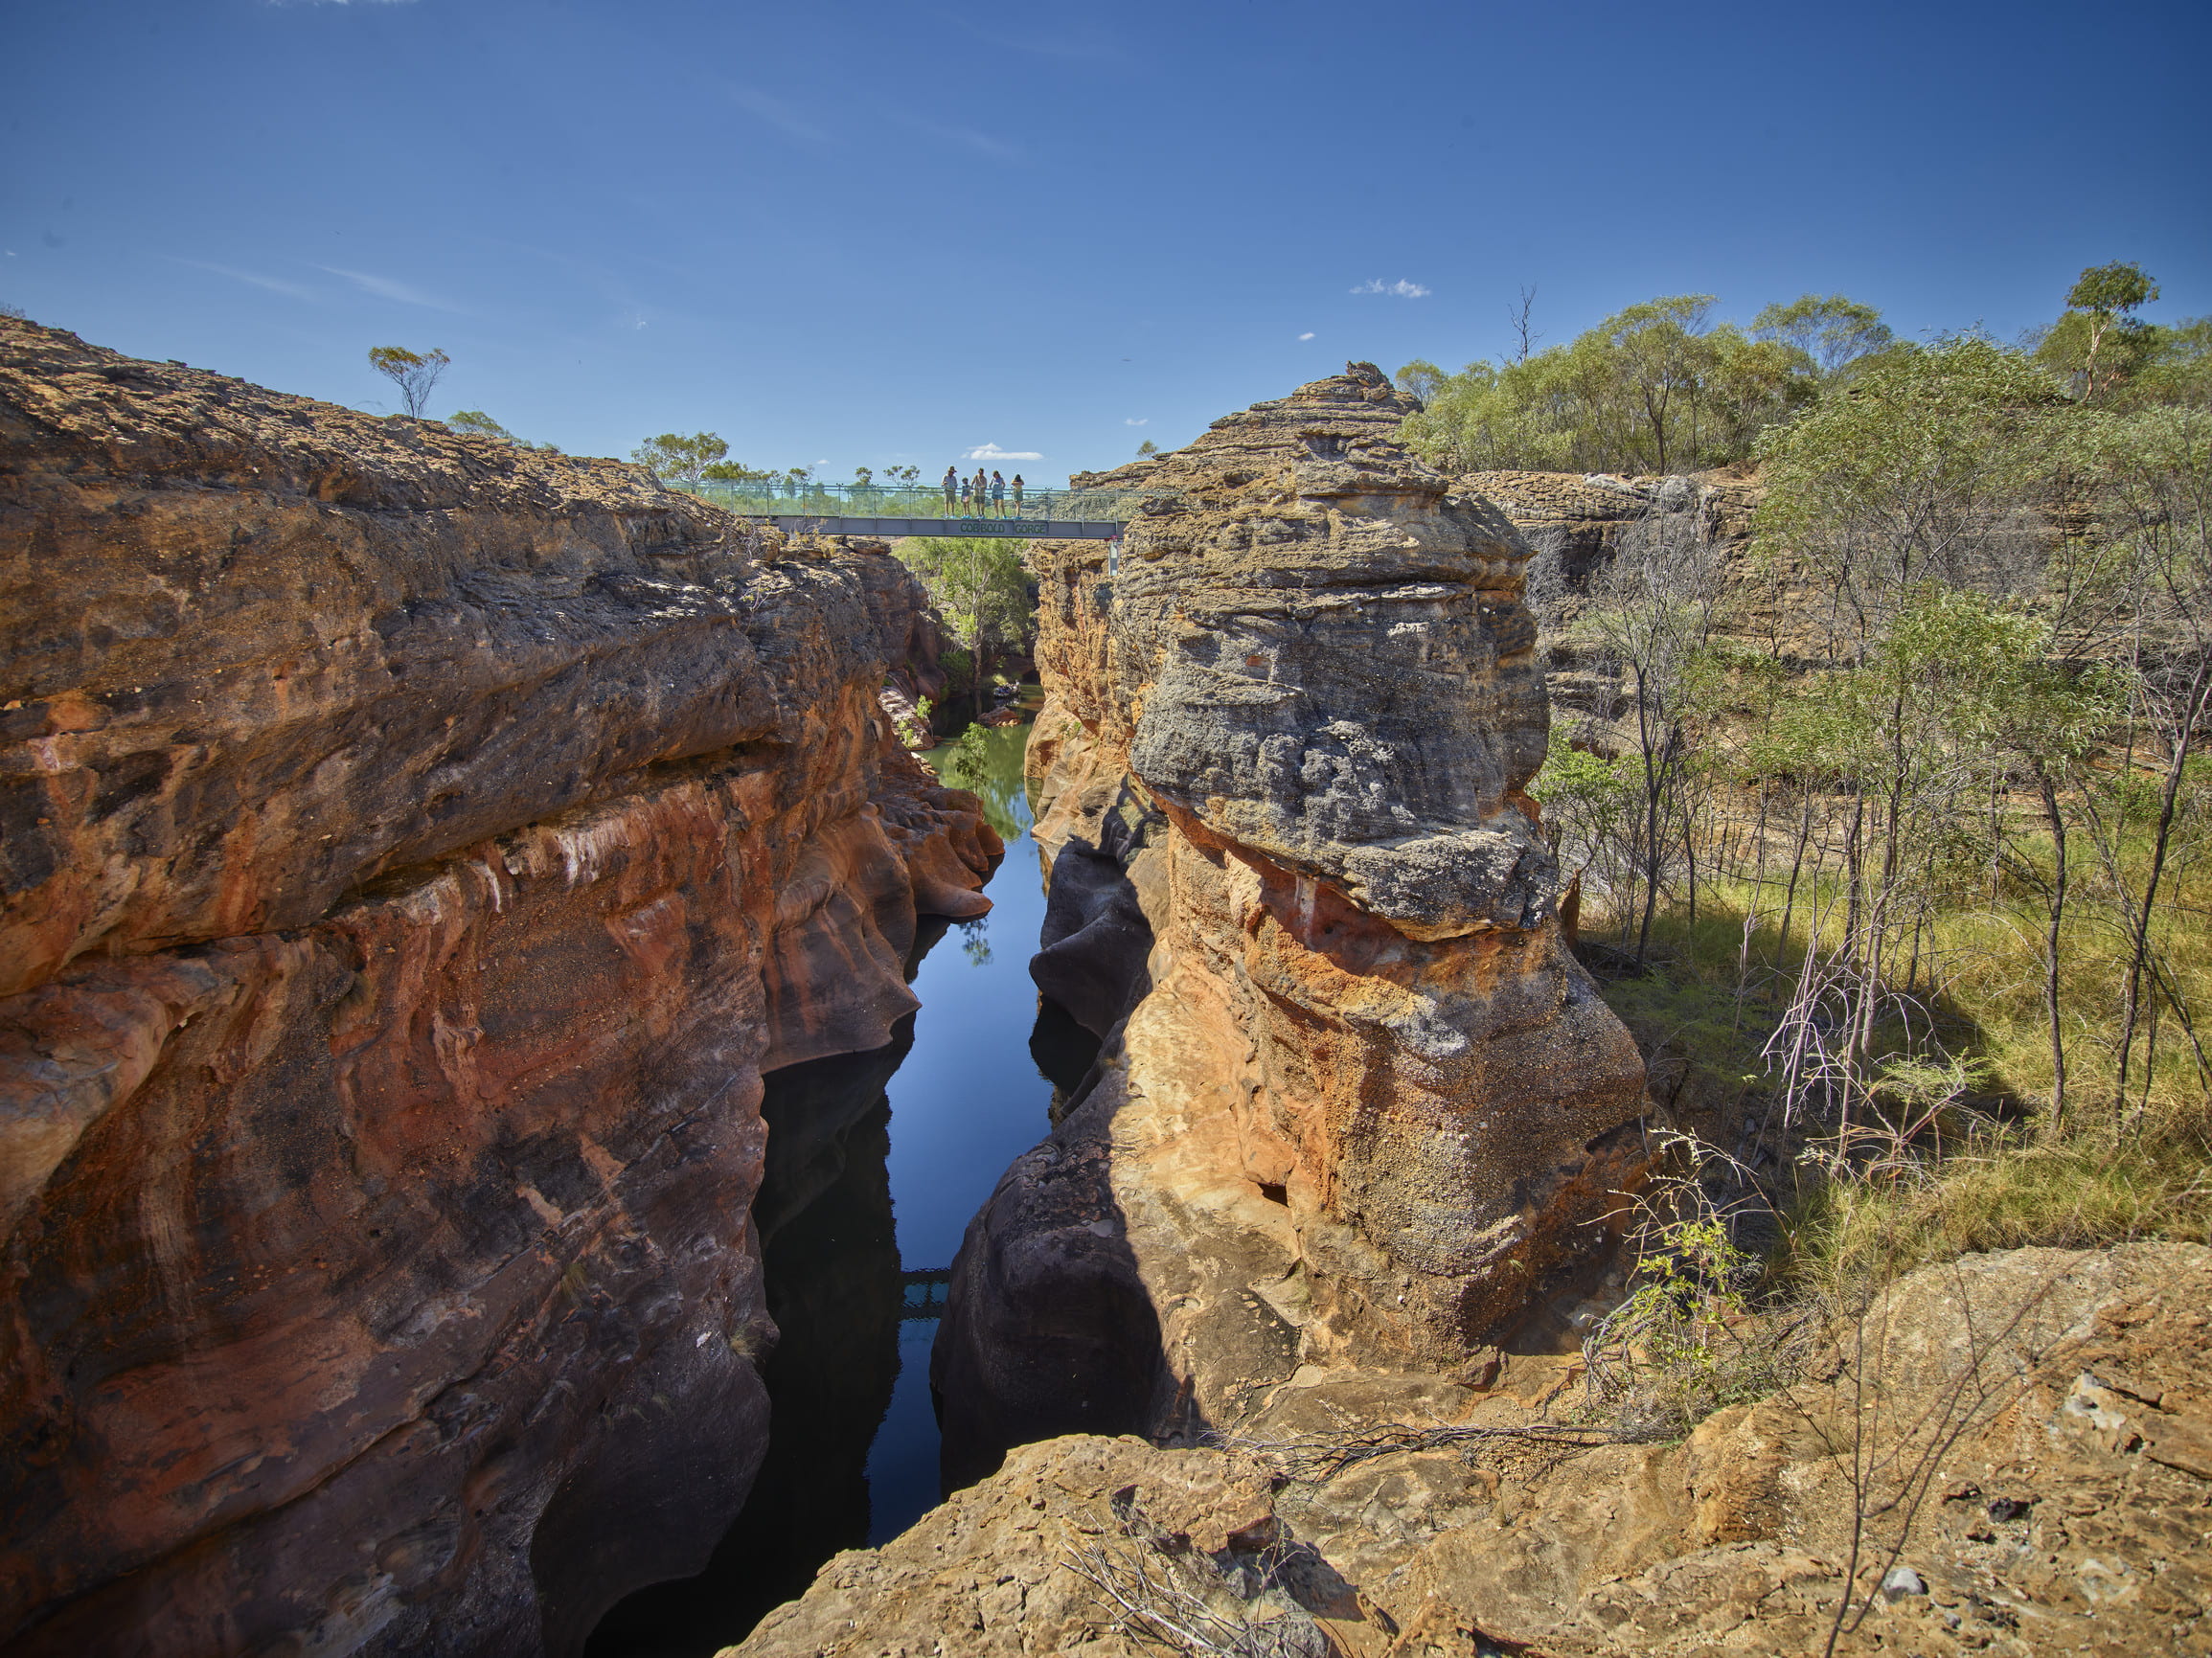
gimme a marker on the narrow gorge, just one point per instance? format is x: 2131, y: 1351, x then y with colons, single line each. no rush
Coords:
x: 1359, y: 1108
x: 417, y: 850
x: 462, y: 915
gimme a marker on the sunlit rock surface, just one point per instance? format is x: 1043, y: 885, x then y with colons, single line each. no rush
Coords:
x: 416, y: 849
x: 1358, y: 1103
x: 2018, y: 1445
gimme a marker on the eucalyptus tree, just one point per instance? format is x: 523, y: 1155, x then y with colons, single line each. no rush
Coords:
x: 415, y: 372
x: 2111, y: 358
x: 1657, y: 387
x: 476, y: 423
x: 1936, y: 465
x: 680, y: 460
x: 2107, y: 297
x: 2155, y: 466
x: 980, y: 588
x: 1650, y: 618
x: 1590, y: 809
x: 1831, y: 332
x: 2036, y: 715
x: 1902, y: 743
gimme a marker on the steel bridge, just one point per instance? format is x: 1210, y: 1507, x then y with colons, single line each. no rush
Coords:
x: 922, y: 1294
x: 916, y: 510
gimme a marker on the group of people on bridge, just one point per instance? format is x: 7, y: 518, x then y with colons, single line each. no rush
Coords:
x: 979, y: 496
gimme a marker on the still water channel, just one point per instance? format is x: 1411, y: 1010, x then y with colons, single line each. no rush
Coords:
x: 877, y: 1162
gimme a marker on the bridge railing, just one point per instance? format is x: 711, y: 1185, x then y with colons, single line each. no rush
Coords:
x: 785, y: 497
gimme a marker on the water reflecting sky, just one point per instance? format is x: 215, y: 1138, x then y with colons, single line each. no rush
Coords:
x: 966, y: 1103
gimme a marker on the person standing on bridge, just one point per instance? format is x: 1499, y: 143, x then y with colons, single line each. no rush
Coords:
x: 982, y: 487
x: 1017, y: 494
x: 998, y: 495
x: 951, y: 488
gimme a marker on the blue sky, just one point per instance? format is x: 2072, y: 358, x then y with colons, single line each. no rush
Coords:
x: 877, y: 233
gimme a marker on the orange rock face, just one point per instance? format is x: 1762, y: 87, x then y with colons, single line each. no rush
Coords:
x: 1357, y: 1102
x: 416, y: 850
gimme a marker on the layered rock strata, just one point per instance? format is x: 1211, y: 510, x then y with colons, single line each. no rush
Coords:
x: 415, y: 849
x: 2010, y: 1455
x: 1356, y: 1101
x: 1579, y: 525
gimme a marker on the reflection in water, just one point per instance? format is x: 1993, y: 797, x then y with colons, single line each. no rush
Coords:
x: 831, y: 1259
x: 920, y: 1129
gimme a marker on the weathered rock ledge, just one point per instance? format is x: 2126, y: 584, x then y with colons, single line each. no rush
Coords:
x: 416, y: 849
x: 2019, y: 1445
x: 1357, y: 1104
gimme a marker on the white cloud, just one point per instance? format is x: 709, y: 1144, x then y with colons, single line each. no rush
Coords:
x: 273, y: 284
x: 388, y: 288
x: 1143, y: 423
x: 993, y: 452
x: 785, y: 117
x: 967, y: 138
x: 1401, y: 289
x: 1305, y: 336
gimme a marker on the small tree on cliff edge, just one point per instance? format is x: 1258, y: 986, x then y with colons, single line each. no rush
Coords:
x: 413, y: 373
x: 679, y: 460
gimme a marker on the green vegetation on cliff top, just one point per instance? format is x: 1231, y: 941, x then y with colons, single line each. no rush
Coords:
x: 1665, y: 386
x: 1912, y: 909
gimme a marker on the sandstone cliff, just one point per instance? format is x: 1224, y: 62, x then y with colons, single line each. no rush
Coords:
x: 1356, y: 1103
x: 415, y: 850
x: 2010, y: 1455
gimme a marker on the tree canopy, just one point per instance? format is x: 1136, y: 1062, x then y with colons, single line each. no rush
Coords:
x: 413, y: 373
x: 1833, y: 333
x: 2107, y: 355
x: 1657, y: 387
x: 977, y: 583
x: 682, y: 461
x: 476, y: 423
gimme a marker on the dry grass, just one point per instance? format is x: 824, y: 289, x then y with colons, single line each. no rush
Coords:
x: 1986, y: 1170
x: 2002, y: 1189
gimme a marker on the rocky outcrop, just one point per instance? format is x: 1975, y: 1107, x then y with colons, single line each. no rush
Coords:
x: 415, y: 849
x: 1356, y: 1103
x: 830, y: 1254
x: 1578, y: 525
x: 2009, y: 1455
x: 1575, y: 523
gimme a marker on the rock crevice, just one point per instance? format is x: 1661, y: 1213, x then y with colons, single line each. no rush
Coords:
x: 417, y: 849
x: 1356, y: 1101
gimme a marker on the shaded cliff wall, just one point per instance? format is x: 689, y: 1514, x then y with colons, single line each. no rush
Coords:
x: 1577, y: 525
x: 415, y: 849
x: 1356, y: 1100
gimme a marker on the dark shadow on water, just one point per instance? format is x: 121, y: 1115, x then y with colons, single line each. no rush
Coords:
x: 923, y: 1124
x: 1064, y: 1052
x: 831, y: 1258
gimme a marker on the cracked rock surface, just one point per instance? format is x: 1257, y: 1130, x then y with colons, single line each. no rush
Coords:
x: 1357, y: 1104
x: 2010, y: 1455
x: 415, y: 849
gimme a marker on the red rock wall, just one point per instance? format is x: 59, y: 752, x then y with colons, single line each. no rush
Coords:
x: 416, y: 850
x: 1357, y: 1102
